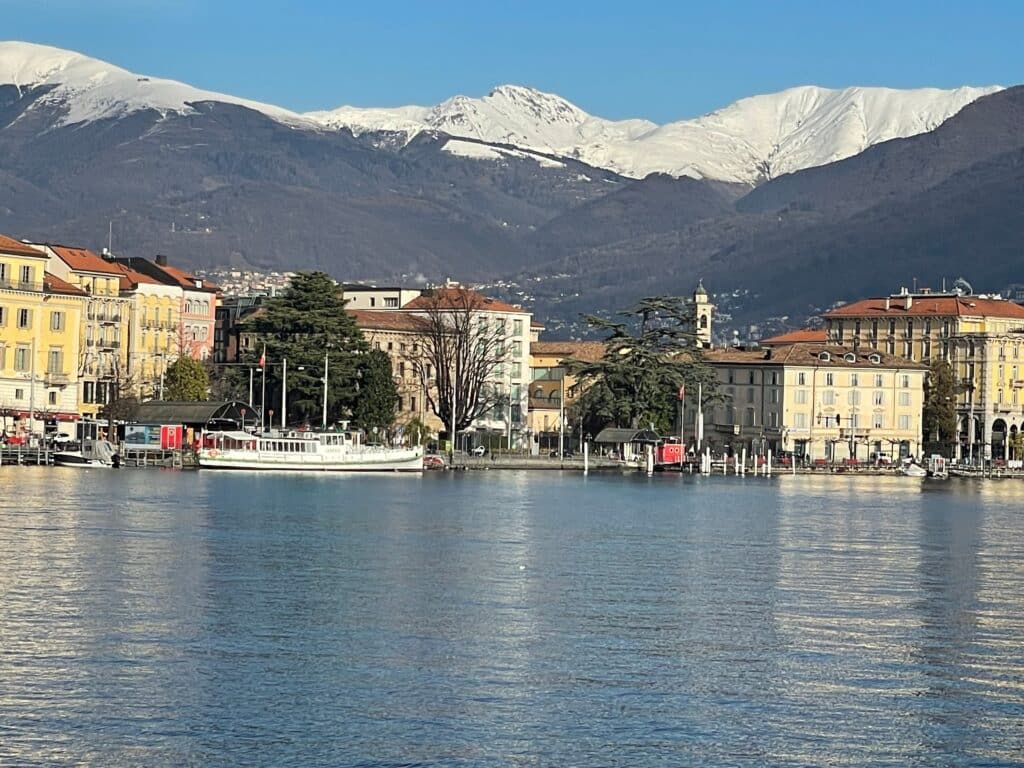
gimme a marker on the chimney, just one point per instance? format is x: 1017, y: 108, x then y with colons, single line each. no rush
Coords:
x: 908, y: 301
x: 886, y: 303
x: 161, y: 260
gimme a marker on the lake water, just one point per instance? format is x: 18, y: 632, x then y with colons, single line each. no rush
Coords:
x: 162, y: 618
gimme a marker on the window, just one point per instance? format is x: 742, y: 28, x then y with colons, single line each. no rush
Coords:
x: 890, y: 347
x: 373, y: 301
x: 52, y: 398
x: 19, y: 394
x: 878, y: 379
x: 801, y: 397
x: 853, y: 397
x: 750, y: 374
x: 907, y: 351
x: 3, y: 357
x: 750, y: 395
x: 905, y: 381
x: 828, y: 397
x: 27, y: 273
x: 879, y: 397
x: 24, y: 318
x: 731, y: 377
x: 874, y: 330
x: 773, y: 395
x: 800, y: 420
x: 892, y: 327
x: 878, y: 421
x: 401, y: 370
x: 3, y: 272
x: 999, y: 396
x: 517, y: 370
x: 829, y: 379
x: 801, y: 378
x: 928, y: 325
x: 517, y: 327
x: 773, y: 418
x: 55, y: 361
x: 21, y: 362
x: 910, y: 329
x: 853, y: 380
x: 517, y: 349
x: 904, y: 422
x: 904, y: 399
x: 390, y: 301
x: 3, y: 316
x: 89, y: 391
x: 748, y: 417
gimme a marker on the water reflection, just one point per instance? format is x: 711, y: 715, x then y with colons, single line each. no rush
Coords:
x: 165, y: 618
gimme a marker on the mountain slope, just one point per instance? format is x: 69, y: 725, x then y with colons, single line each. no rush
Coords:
x: 755, y: 139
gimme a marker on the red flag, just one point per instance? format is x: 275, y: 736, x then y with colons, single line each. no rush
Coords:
x: 682, y: 392
x: 263, y: 357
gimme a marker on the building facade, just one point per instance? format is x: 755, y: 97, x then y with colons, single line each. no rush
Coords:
x: 819, y: 402
x: 41, y: 317
x: 982, y: 338
x: 102, y: 368
x: 553, y: 390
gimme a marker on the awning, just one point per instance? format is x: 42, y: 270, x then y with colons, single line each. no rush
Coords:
x: 45, y: 416
x: 615, y: 435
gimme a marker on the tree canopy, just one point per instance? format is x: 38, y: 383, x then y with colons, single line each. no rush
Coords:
x: 378, y: 396
x: 186, y: 379
x: 649, y: 354
x: 307, y: 325
x: 938, y: 420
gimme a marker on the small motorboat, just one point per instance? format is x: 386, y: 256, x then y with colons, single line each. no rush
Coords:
x: 94, y: 454
x: 911, y: 468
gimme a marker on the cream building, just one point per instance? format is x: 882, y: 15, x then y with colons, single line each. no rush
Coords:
x: 822, y: 402
x: 102, y: 365
x: 399, y: 335
x: 982, y: 338
x: 553, y: 390
x: 154, y: 329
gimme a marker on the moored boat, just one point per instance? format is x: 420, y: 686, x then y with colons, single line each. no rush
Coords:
x: 304, y: 452
x: 94, y: 454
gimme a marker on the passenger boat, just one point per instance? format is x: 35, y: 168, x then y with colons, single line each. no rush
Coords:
x: 304, y: 452
x: 913, y: 469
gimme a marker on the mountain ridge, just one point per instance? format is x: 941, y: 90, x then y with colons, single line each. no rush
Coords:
x: 749, y: 141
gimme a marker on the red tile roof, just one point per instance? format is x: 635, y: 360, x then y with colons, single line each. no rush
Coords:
x: 588, y: 351
x: 950, y: 306
x: 460, y: 298
x: 131, y: 279
x: 185, y: 280
x: 388, y: 320
x: 802, y: 336
x: 84, y: 260
x: 53, y: 284
x: 12, y: 246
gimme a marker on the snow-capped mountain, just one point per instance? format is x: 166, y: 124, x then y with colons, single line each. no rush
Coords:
x: 752, y: 140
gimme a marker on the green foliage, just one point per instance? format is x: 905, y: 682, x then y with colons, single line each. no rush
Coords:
x: 939, y: 415
x: 415, y: 431
x: 186, y: 379
x: 648, y: 356
x: 307, y: 325
x: 378, y: 396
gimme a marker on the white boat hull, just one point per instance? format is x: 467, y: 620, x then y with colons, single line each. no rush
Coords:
x: 76, y: 460
x: 389, y: 461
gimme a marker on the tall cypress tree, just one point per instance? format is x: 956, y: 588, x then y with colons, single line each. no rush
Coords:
x: 375, y: 405
x: 938, y: 419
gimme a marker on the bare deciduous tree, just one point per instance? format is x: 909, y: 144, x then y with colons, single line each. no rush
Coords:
x: 461, y: 348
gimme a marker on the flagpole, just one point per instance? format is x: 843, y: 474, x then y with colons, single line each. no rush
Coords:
x: 698, y: 427
x: 263, y: 389
x: 682, y: 422
x: 284, y: 394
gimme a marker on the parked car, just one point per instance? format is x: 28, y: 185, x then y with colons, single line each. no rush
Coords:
x: 480, y: 450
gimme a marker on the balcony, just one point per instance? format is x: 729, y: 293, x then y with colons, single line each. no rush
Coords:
x: 106, y: 344
x: 853, y: 433
x: 57, y: 379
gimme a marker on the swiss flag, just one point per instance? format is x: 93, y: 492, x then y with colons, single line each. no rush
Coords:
x: 682, y: 392
x: 263, y: 357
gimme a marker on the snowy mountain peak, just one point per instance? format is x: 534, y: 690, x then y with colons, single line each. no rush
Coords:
x: 89, y: 89
x: 748, y: 141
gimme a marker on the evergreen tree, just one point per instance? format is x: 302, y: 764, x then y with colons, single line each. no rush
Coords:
x: 186, y: 379
x: 938, y: 420
x: 648, y: 356
x: 378, y: 396
x: 307, y: 325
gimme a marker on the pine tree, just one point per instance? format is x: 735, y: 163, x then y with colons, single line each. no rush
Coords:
x: 938, y: 420
x: 375, y: 404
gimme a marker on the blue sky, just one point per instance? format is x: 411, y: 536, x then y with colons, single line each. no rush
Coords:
x: 658, y: 60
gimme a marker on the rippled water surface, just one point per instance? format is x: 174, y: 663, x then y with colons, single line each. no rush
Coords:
x: 159, y: 618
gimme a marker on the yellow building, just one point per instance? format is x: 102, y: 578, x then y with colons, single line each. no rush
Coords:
x: 550, y: 382
x: 981, y: 336
x: 818, y: 401
x: 154, y: 329
x: 40, y: 320
x: 102, y: 365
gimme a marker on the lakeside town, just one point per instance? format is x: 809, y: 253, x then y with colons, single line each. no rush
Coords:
x: 83, y: 331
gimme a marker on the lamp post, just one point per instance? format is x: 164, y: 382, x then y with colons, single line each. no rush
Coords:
x: 326, y: 364
x: 561, y: 412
